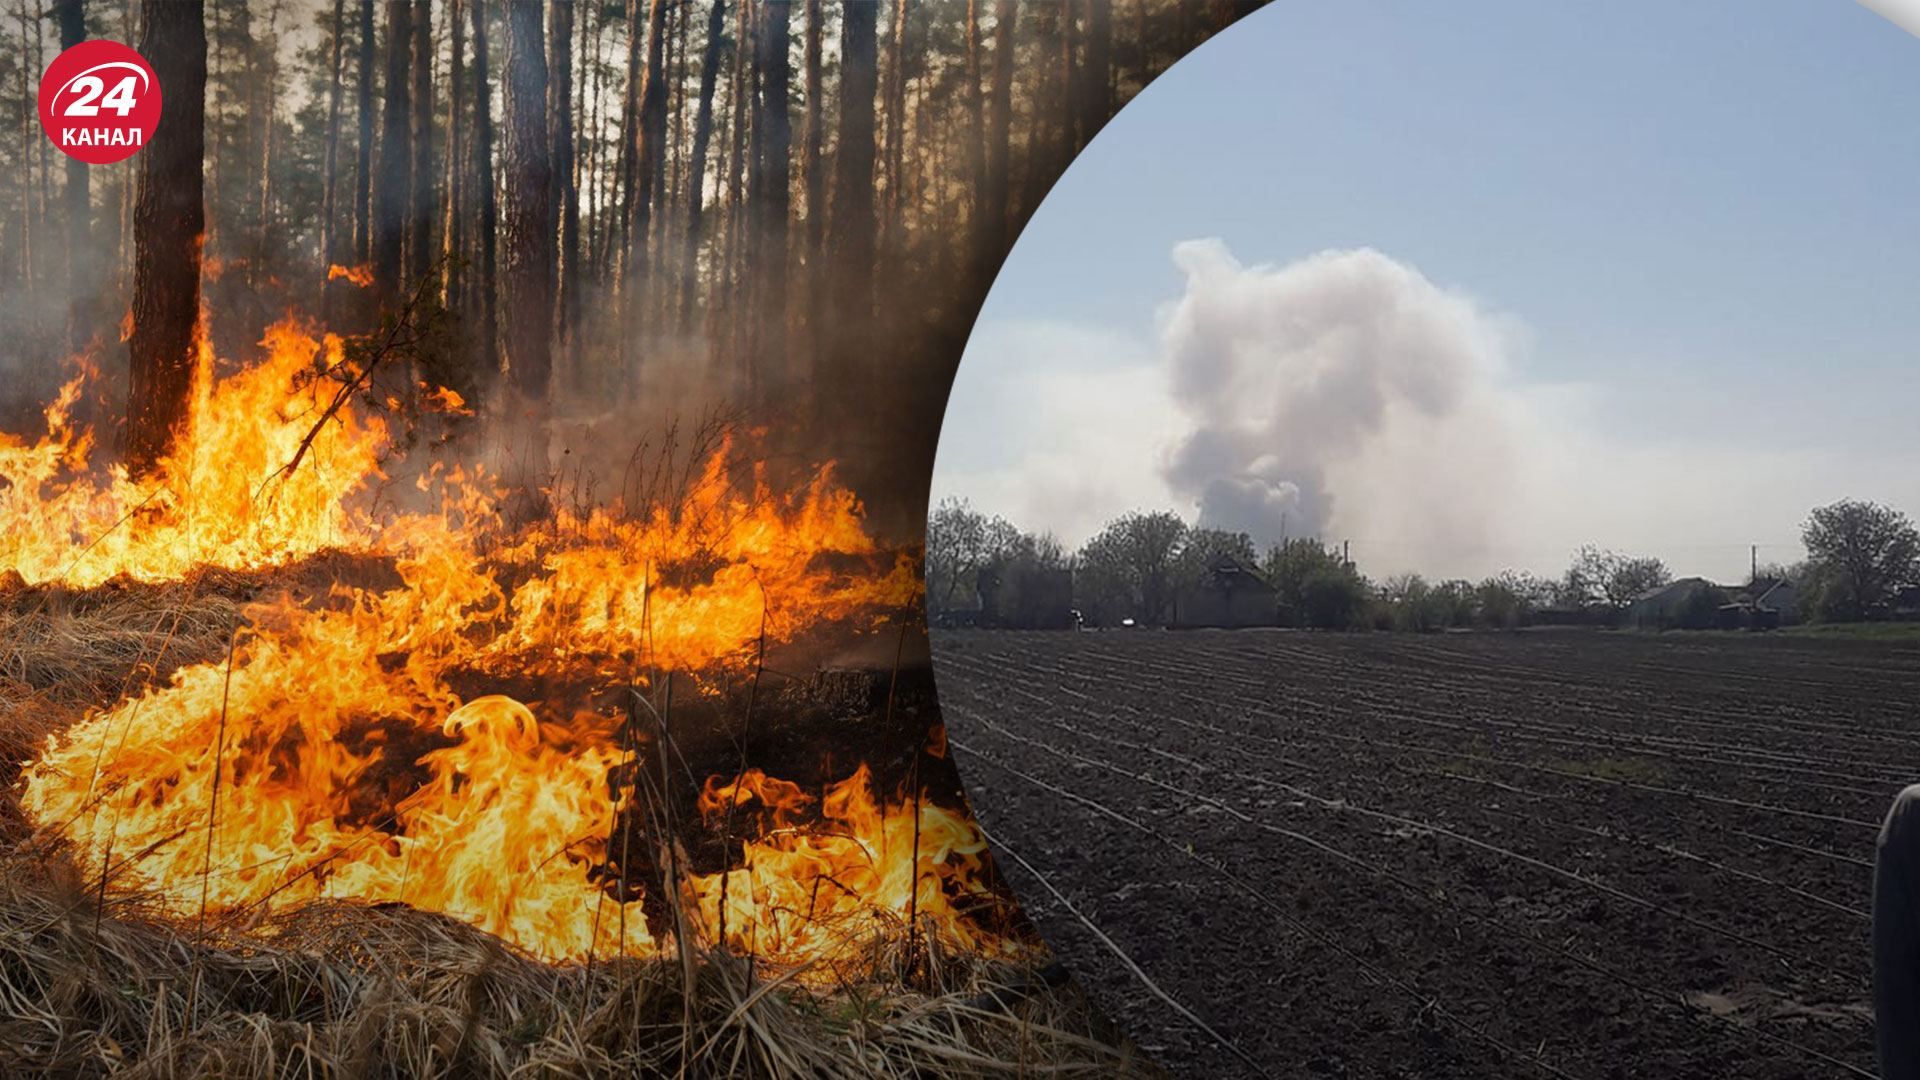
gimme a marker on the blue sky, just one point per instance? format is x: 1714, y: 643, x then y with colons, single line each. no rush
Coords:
x: 1695, y: 226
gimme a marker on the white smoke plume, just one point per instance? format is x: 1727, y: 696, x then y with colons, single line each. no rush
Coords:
x: 1340, y: 394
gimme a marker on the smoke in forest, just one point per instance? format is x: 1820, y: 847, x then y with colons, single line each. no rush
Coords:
x: 1341, y: 392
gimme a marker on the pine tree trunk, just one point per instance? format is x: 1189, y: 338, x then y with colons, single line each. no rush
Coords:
x: 669, y: 194
x: 23, y: 107
x: 998, y: 222
x: 566, y: 191
x: 697, y: 169
x: 853, y: 159
x: 528, y: 220
x: 420, y: 205
x: 80, y: 252
x: 813, y: 176
x: 728, y: 279
x: 626, y: 183
x: 591, y: 146
x: 984, y: 218
x: 168, y: 218
x: 480, y: 179
x: 772, y: 198
x: 453, y: 224
x: 330, y: 167
x: 649, y: 158
x: 896, y: 115
x: 363, y: 151
x: 677, y: 64
x: 44, y: 146
x: 583, y: 136
x: 393, y: 193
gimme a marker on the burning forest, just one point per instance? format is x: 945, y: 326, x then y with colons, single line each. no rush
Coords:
x: 338, y: 676
x: 474, y: 717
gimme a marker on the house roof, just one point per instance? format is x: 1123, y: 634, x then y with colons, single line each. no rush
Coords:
x: 1230, y: 571
x: 1763, y: 587
x: 1688, y: 584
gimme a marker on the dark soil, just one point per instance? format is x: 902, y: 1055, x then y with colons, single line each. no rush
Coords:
x: 1463, y: 855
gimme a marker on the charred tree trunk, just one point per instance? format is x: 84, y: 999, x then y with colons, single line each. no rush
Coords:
x: 330, y: 167
x: 666, y: 158
x: 851, y: 267
x: 649, y: 156
x: 480, y: 177
x: 566, y: 190
x: 624, y: 182
x: 42, y: 146
x: 527, y: 276
x: 734, y: 256
x: 393, y: 194
x: 697, y: 168
x: 420, y: 203
x: 982, y: 220
x: 363, y: 151
x: 453, y: 225
x: 896, y: 118
x: 584, y: 136
x: 80, y: 262
x: 813, y: 176
x: 773, y: 139
x: 23, y: 109
x: 592, y: 88
x: 169, y: 216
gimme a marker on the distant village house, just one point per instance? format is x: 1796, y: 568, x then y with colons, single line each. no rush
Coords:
x: 1232, y: 594
x: 1694, y: 603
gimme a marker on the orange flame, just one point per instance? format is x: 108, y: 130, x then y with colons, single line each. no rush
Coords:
x: 361, y: 275
x: 804, y: 890
x: 216, y: 499
x: 332, y: 755
x: 444, y: 399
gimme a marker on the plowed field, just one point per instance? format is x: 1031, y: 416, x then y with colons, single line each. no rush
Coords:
x: 1464, y: 855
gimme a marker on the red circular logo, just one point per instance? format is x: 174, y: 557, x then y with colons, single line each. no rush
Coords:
x: 99, y: 102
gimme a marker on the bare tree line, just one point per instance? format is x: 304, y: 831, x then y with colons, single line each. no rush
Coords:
x: 1862, y: 564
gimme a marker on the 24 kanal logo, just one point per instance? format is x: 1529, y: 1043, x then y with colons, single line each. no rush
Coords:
x: 99, y: 102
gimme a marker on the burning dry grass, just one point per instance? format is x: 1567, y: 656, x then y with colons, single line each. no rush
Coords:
x: 349, y: 990
x: 96, y: 982
x: 61, y: 651
x: 258, y: 679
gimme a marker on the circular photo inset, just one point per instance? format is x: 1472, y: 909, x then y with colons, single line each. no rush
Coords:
x: 1422, y: 569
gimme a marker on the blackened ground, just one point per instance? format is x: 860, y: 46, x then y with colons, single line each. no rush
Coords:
x: 1537, y: 854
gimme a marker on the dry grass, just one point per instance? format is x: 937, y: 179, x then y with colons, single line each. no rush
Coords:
x: 62, y: 651
x: 349, y: 990
x: 93, y: 985
x: 73, y: 648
